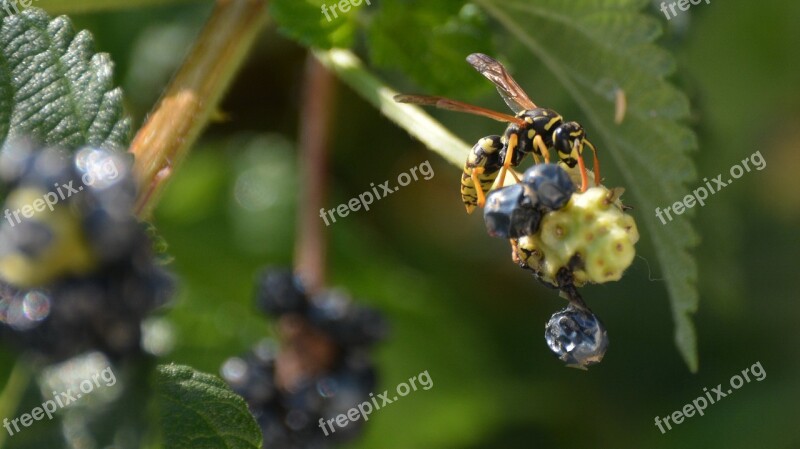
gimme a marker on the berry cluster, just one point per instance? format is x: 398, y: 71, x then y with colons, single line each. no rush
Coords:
x: 516, y: 211
x: 322, y: 369
x: 566, y: 239
x: 76, y: 269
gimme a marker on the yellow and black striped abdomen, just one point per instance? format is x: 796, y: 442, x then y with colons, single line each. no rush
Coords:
x: 485, y: 161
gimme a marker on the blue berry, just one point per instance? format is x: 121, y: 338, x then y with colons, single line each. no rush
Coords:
x: 512, y: 211
x: 279, y: 291
x: 288, y: 407
x: 348, y: 324
x: 251, y: 377
x: 551, y: 183
x: 577, y: 337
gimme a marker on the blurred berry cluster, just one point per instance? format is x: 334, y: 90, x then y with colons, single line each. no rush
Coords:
x: 76, y: 267
x: 322, y: 369
x: 566, y: 239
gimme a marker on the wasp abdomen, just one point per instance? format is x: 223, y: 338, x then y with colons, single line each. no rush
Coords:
x: 483, y: 164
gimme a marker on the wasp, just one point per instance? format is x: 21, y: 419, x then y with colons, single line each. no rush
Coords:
x: 532, y: 130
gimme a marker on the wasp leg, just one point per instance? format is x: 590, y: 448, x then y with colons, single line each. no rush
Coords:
x: 478, y: 188
x: 538, y: 142
x: 514, y: 251
x: 512, y: 145
x: 582, y: 167
x: 535, y: 156
x: 596, y: 162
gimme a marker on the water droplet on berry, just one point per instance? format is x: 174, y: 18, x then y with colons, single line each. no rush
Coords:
x: 577, y: 337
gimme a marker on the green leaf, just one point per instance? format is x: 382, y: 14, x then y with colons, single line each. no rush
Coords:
x: 444, y: 33
x: 310, y: 24
x: 595, y: 47
x: 54, y: 87
x: 199, y: 411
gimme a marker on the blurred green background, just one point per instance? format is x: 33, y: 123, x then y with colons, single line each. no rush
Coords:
x: 459, y: 307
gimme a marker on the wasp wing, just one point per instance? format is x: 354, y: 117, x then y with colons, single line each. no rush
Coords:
x: 512, y: 94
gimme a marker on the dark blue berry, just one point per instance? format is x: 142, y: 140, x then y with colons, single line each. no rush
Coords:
x: 252, y: 378
x: 289, y: 411
x: 577, y: 337
x: 551, y: 183
x: 348, y: 324
x: 279, y: 291
x: 512, y: 211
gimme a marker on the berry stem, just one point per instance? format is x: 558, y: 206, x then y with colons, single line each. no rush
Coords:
x: 305, y: 352
x: 319, y: 92
x: 193, y: 95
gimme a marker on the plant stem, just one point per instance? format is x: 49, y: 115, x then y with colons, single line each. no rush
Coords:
x: 13, y: 392
x: 315, y: 125
x: 411, y: 118
x: 193, y: 95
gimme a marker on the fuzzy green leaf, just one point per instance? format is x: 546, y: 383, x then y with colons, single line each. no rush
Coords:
x: 595, y: 47
x: 54, y: 87
x: 199, y: 411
